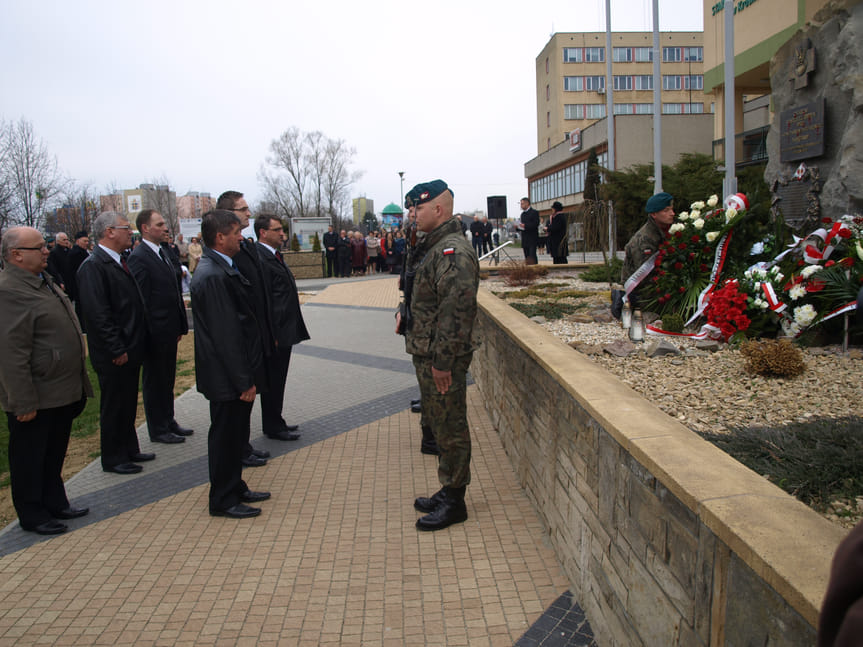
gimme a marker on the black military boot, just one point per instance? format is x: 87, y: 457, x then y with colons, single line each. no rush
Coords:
x: 428, y: 504
x: 449, y: 511
x: 429, y: 444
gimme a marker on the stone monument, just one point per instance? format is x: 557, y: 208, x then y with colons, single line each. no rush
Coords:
x: 816, y: 139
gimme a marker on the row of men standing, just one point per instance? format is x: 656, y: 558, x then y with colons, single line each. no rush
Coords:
x: 134, y: 314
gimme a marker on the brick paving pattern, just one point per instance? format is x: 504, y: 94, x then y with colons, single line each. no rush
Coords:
x: 333, y: 559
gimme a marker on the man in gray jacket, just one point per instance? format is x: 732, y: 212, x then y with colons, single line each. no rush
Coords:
x: 43, y: 381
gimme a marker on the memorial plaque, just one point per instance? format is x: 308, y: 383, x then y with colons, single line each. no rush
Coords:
x: 794, y: 202
x: 802, y: 132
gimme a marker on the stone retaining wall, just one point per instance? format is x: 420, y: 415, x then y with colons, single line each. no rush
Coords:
x: 666, y: 540
x: 305, y: 265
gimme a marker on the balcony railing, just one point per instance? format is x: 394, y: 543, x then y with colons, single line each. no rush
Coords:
x: 750, y: 147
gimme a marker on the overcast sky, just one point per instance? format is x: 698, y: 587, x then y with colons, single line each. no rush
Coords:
x: 195, y: 90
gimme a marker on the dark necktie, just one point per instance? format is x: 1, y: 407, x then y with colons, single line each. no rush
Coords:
x: 279, y: 256
x: 124, y: 264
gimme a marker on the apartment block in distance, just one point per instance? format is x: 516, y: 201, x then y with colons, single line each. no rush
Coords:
x: 362, y: 206
x: 571, y: 79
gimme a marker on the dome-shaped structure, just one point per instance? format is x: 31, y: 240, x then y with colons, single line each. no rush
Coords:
x: 392, y: 216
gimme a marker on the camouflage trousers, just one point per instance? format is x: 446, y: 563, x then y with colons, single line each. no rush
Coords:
x: 447, y: 416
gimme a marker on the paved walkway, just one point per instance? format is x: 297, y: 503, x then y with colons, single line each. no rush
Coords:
x: 333, y: 559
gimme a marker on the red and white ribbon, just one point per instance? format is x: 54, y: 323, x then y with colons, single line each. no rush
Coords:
x: 640, y: 274
x: 707, y: 331
x: 848, y: 307
x: 772, y: 300
x: 718, y: 262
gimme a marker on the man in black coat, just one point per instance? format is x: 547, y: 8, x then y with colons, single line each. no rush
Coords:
x: 288, y: 325
x: 58, y: 259
x: 249, y: 265
x: 557, y: 230
x: 477, y: 231
x: 77, y: 255
x: 229, y: 361
x: 487, y: 229
x: 158, y: 273
x: 116, y: 324
x: 529, y: 227
x: 343, y: 255
x: 331, y: 243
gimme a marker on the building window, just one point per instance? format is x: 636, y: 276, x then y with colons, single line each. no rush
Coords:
x: 624, y: 109
x: 573, y: 83
x: 622, y: 82
x: 693, y: 54
x: 595, y: 110
x: 547, y: 93
x: 672, y: 54
x: 622, y: 54
x: 682, y: 108
x: 584, y: 111
x: 548, y: 119
x: 573, y: 111
x: 693, y: 82
x: 546, y: 65
x: 594, y: 83
x: 594, y: 54
x: 644, y: 108
x: 643, y: 54
x: 567, y: 181
x: 573, y: 55
x: 672, y: 82
x: 643, y: 82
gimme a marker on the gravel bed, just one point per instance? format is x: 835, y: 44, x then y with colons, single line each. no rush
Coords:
x: 711, y: 392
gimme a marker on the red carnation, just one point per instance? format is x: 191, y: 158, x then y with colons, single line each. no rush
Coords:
x: 681, y: 289
x: 681, y: 246
x: 844, y: 233
x: 708, y: 250
x: 829, y: 264
x: 703, y: 268
x: 827, y: 221
x: 678, y: 234
x: 678, y: 265
x: 696, y: 238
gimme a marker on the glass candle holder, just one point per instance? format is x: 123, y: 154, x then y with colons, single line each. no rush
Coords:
x: 636, y: 328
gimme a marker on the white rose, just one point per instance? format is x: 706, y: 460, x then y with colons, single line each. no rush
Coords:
x: 695, y: 214
x: 711, y: 236
x: 683, y: 216
x: 712, y: 201
x: 676, y: 227
x: 698, y: 224
x: 730, y: 214
x: 809, y: 270
x: 859, y: 250
x: 797, y: 292
x: 697, y: 205
x: 804, y: 315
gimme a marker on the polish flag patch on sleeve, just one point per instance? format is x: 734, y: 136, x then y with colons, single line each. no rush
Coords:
x: 448, y: 250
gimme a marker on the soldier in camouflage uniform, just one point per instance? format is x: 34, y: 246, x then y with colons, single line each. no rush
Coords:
x: 646, y: 241
x: 442, y: 339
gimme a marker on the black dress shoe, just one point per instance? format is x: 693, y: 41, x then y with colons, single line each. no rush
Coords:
x: 291, y: 427
x: 417, y: 408
x: 70, y: 513
x: 250, y: 496
x: 123, y: 468
x: 169, y: 438
x: 417, y: 401
x: 142, y: 458
x: 253, y: 461
x: 181, y: 431
x: 260, y: 453
x: 283, y: 435
x: 48, y: 528
x: 239, y: 511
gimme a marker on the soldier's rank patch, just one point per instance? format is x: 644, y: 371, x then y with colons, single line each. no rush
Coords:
x: 448, y: 251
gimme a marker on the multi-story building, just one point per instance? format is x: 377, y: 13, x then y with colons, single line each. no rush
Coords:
x: 760, y: 29
x: 571, y: 79
x: 194, y: 205
x: 362, y: 206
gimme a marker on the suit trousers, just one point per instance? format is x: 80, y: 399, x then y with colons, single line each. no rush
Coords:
x: 37, y: 450
x: 332, y: 263
x: 447, y: 416
x: 160, y: 371
x: 272, y: 400
x: 118, y: 405
x: 229, y: 429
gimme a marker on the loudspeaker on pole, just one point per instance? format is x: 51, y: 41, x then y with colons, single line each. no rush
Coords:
x: 496, y: 207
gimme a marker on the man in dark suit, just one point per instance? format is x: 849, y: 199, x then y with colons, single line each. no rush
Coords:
x: 529, y: 227
x: 228, y: 361
x: 58, y: 259
x: 157, y: 272
x: 288, y: 325
x: 43, y: 381
x: 249, y: 264
x: 331, y: 242
x: 116, y: 324
x: 77, y: 255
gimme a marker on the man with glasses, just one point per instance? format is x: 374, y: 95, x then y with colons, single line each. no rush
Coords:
x: 249, y: 265
x: 43, y: 381
x: 116, y: 324
x: 288, y: 325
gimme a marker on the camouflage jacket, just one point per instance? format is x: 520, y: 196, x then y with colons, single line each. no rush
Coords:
x: 443, y: 296
x: 640, y: 247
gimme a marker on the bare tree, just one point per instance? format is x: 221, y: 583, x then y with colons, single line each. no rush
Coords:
x: 6, y: 192
x: 79, y: 208
x: 307, y: 174
x: 31, y: 174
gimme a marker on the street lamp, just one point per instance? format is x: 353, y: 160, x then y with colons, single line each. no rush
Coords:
x: 402, y: 180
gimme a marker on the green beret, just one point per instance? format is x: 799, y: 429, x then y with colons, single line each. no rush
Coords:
x: 427, y: 191
x: 658, y: 202
x: 411, y: 198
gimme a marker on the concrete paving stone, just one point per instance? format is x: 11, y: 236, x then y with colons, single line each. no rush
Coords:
x: 334, y: 559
